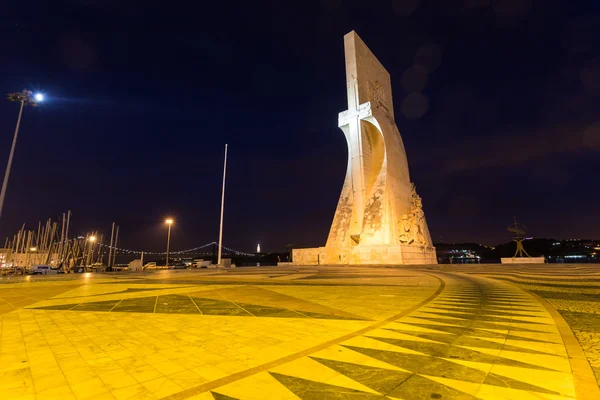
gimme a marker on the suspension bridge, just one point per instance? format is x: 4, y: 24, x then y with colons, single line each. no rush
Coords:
x: 194, y: 250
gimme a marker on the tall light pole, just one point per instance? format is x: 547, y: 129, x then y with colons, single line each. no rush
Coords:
x: 92, y: 240
x: 169, y: 222
x: 26, y: 98
x: 222, y: 206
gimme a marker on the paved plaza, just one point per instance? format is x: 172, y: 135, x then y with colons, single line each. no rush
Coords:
x: 431, y: 332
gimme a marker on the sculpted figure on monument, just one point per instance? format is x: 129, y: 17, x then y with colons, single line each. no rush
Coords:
x: 418, y: 217
x: 412, y: 226
x: 405, y: 236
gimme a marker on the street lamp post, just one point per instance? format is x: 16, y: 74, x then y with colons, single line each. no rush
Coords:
x: 90, y: 255
x: 169, y: 222
x: 26, y: 98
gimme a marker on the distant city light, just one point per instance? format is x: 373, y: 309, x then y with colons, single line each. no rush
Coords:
x: 39, y: 97
x: 92, y: 238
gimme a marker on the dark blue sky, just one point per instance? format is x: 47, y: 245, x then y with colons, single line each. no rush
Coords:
x: 503, y: 119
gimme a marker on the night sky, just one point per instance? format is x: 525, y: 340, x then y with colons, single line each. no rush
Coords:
x: 498, y: 104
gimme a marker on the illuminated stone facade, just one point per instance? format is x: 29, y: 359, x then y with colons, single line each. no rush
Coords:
x: 379, y: 217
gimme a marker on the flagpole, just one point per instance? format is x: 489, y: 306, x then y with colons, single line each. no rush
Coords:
x: 222, y: 206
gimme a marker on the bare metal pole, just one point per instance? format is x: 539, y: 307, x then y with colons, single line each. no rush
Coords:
x: 68, y: 221
x: 17, y: 244
x: 21, y: 246
x: 10, y: 158
x: 61, y: 243
x: 46, y: 235
x: 84, y: 250
x: 37, y: 240
x: 27, y: 249
x: 115, y: 251
x: 67, y: 235
x: 50, y: 244
x: 112, y: 234
x: 100, y: 243
x: 222, y: 206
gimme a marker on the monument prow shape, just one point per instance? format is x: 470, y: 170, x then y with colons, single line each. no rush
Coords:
x: 379, y: 218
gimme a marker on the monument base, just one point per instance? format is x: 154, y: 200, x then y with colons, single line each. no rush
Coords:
x: 365, y: 255
x: 523, y: 260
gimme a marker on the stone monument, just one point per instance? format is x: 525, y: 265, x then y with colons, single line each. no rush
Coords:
x: 379, y: 217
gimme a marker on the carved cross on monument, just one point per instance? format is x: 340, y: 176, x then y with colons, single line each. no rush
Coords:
x: 350, y: 120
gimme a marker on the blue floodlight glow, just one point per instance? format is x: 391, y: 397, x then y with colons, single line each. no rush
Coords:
x: 39, y: 97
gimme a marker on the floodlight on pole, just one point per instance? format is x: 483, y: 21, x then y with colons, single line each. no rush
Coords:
x: 39, y: 97
x: 26, y: 98
x: 90, y: 249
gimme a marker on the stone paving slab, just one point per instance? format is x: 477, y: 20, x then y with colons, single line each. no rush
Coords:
x: 434, y: 332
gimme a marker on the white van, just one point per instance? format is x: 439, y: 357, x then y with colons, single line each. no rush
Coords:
x: 42, y: 270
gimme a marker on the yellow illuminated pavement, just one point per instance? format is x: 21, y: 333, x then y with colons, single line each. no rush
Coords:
x: 441, y: 332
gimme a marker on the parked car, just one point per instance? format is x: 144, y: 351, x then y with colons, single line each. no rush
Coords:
x: 42, y: 270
